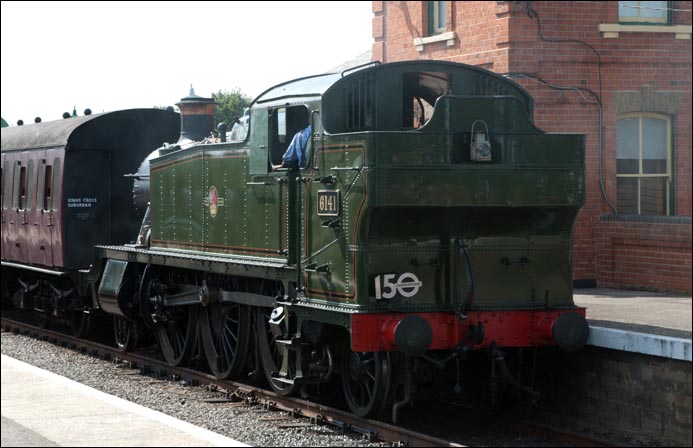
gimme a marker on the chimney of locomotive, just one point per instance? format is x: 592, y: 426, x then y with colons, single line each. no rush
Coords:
x: 196, y: 117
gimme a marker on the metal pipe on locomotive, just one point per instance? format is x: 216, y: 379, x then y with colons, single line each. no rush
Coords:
x: 431, y: 220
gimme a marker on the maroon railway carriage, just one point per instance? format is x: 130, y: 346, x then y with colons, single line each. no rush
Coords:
x: 64, y: 191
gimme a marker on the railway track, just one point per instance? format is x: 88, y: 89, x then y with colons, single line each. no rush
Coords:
x: 238, y: 392
x: 520, y: 425
x: 241, y: 394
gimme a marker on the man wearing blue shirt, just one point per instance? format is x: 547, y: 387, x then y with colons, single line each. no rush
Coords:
x: 296, y: 152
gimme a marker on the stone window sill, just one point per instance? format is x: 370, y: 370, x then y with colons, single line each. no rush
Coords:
x: 612, y: 30
x: 448, y: 37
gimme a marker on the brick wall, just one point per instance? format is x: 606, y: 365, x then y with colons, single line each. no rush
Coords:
x: 500, y: 36
x: 649, y: 255
x: 634, y: 398
x: 396, y: 24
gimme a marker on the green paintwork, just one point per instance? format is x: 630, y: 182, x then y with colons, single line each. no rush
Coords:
x: 411, y: 199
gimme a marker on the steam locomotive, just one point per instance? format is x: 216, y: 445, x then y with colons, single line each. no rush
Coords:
x: 430, y: 220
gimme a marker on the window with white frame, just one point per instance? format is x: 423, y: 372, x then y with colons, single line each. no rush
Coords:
x: 643, y: 164
x: 437, y: 17
x: 644, y: 12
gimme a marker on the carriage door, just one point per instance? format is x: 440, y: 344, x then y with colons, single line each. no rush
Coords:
x: 6, y: 186
x: 19, y: 209
x: 18, y: 213
x: 32, y: 217
x: 50, y: 208
x: 44, y: 197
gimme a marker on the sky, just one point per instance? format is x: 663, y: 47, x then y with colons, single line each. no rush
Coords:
x: 119, y: 55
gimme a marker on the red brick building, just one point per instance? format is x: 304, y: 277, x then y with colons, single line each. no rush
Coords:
x: 622, y: 67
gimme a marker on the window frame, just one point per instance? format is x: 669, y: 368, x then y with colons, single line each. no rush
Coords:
x: 434, y: 27
x: 669, y: 175
x: 44, y: 186
x: 277, y: 147
x: 8, y: 186
x: 31, y: 186
x: 637, y: 20
x: 55, y: 191
x: 16, y: 188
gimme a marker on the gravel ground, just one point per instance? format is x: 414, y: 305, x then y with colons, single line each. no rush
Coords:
x: 178, y: 400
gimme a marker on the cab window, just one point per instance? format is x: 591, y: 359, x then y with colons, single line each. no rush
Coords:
x: 285, y: 122
x: 419, y: 94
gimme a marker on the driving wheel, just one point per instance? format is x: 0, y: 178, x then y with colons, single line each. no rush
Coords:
x: 125, y: 334
x: 225, y: 330
x: 177, y: 335
x: 366, y: 381
x: 278, y: 361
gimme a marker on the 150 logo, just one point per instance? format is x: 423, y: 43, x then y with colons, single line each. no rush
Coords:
x: 386, y: 287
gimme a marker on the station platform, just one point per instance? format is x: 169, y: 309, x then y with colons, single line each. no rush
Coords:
x: 40, y: 408
x: 657, y: 324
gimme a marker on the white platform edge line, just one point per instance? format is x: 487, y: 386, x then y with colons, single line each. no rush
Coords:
x: 201, y: 433
x: 631, y: 341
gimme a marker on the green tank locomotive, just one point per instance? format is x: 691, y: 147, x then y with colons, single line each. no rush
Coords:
x: 429, y: 219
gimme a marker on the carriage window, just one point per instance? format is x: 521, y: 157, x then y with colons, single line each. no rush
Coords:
x: 31, y: 182
x: 22, y: 188
x: 48, y: 176
x: 54, y: 191
x: 43, y: 190
x: 19, y: 186
x: 419, y: 94
x: 6, y: 186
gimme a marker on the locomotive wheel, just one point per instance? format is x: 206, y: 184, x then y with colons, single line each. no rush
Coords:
x: 274, y: 359
x: 225, y: 330
x: 79, y: 323
x: 149, y: 277
x: 177, y: 336
x: 366, y: 381
x: 125, y: 334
